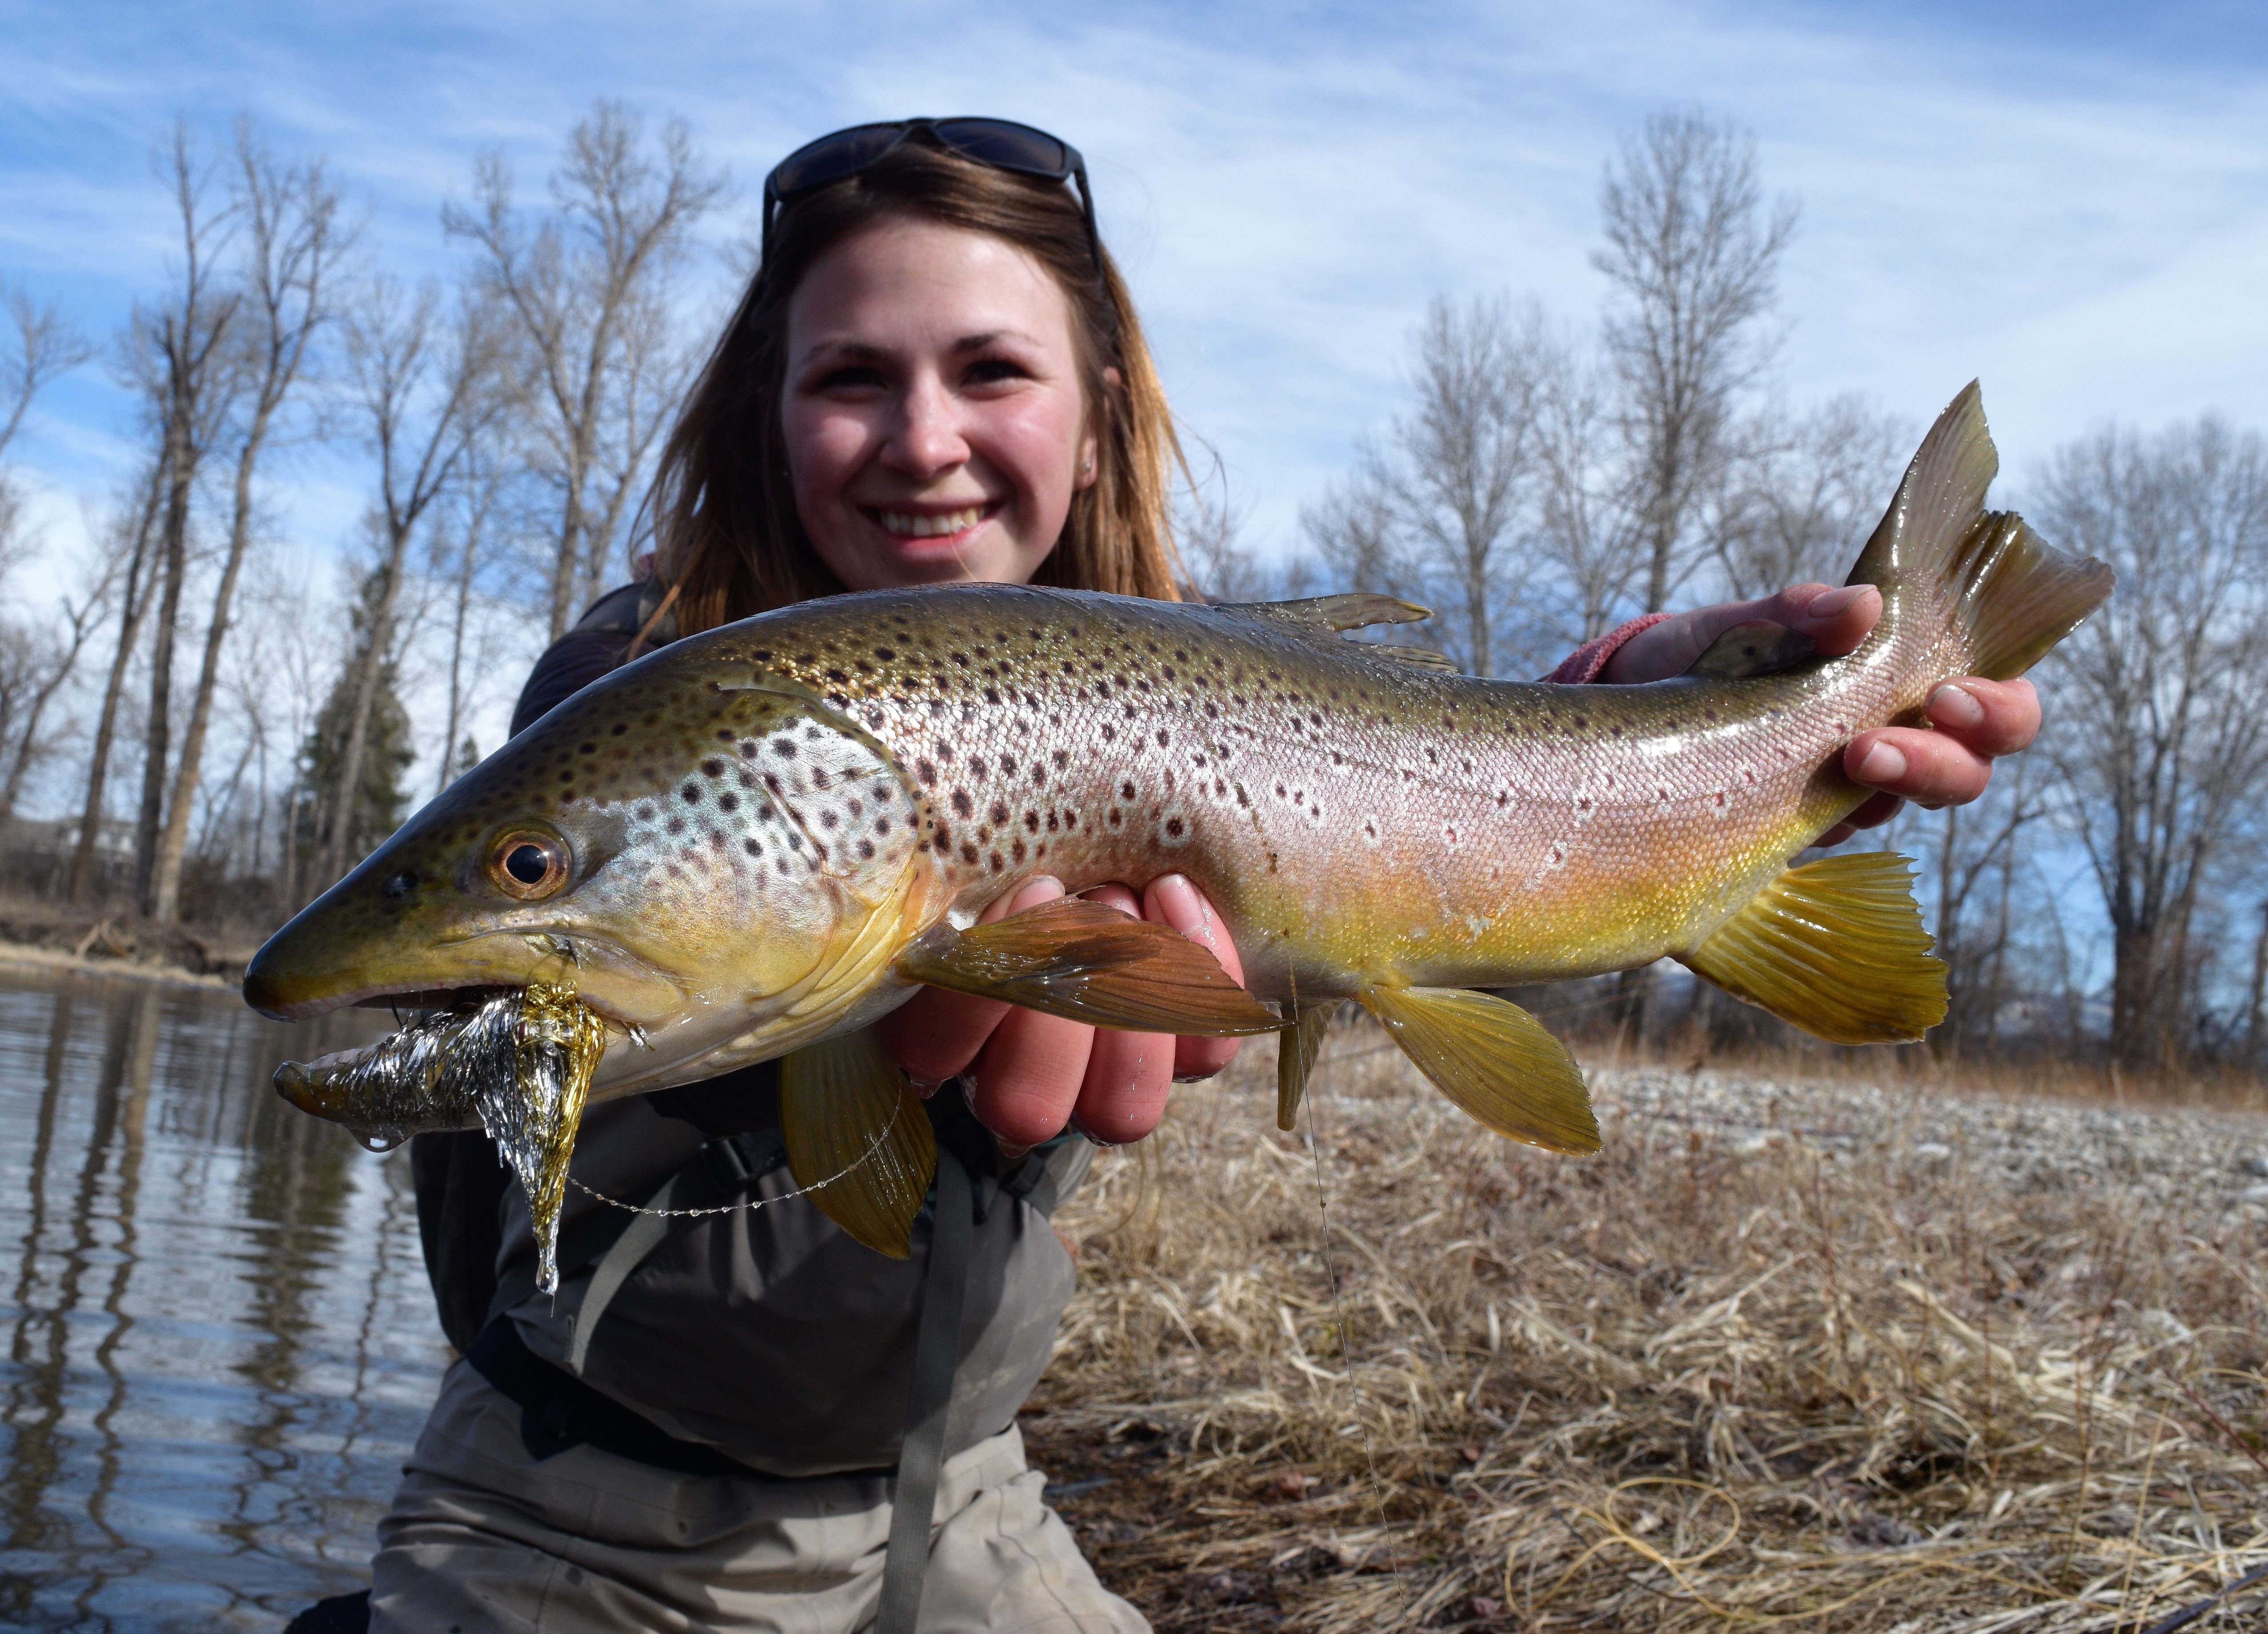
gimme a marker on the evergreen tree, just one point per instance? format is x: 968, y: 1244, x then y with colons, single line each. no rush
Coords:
x: 380, y: 797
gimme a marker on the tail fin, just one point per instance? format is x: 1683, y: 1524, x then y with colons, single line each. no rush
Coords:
x: 2009, y: 593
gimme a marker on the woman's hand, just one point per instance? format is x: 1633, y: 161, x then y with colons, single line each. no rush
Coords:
x: 1975, y: 720
x: 1032, y: 1072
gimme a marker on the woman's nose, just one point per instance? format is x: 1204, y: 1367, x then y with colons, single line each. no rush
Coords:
x: 927, y: 438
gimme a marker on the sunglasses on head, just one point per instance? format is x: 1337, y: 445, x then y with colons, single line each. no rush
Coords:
x: 1001, y: 144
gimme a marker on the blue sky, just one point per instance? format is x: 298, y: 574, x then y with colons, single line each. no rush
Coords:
x: 2069, y: 201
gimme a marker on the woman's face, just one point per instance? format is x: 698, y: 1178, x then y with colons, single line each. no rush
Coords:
x: 935, y: 428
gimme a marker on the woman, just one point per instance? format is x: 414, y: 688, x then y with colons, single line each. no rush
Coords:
x: 935, y: 375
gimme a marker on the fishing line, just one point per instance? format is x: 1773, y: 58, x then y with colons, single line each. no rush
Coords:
x: 1339, y: 1300
x: 751, y: 1204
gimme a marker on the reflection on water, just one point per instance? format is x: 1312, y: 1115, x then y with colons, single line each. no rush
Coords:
x: 219, y: 1340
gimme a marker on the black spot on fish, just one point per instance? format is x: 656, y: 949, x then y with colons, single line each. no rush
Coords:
x: 675, y: 826
x: 962, y: 804
x: 1173, y: 829
x: 751, y: 847
x: 926, y: 772
x: 784, y: 748
x: 712, y: 768
x: 690, y: 793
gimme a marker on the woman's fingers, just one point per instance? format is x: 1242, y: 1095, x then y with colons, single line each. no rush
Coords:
x: 1878, y: 810
x: 1128, y: 1075
x: 1029, y: 1073
x: 1174, y: 900
x: 1834, y: 618
x: 1974, y: 720
x: 1988, y: 718
x: 1027, y: 1076
x: 936, y: 1034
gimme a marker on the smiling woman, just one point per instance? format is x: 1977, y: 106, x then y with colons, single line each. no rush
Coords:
x: 935, y: 421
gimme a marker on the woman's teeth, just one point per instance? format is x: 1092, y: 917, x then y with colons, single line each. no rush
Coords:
x: 909, y: 526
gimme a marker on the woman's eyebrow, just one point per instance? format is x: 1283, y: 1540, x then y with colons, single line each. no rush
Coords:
x: 978, y: 343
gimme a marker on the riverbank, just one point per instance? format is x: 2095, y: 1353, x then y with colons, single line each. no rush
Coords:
x: 45, y: 936
x: 1820, y: 1351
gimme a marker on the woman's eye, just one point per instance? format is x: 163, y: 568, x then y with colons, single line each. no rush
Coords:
x: 850, y: 377
x: 985, y: 371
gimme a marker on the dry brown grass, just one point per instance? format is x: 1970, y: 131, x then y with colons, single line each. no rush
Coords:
x: 1716, y: 1375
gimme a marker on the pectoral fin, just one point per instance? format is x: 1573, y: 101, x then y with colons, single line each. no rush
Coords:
x: 857, y: 1139
x: 1088, y: 963
x: 1296, y: 1048
x: 1493, y: 1059
x: 1836, y: 947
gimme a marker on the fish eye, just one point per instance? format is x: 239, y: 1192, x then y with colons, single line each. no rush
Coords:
x: 528, y: 864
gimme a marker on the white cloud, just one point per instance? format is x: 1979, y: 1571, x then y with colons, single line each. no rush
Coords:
x: 2081, y: 223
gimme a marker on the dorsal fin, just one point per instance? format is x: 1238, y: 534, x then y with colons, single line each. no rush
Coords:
x: 1323, y: 617
x: 1356, y: 609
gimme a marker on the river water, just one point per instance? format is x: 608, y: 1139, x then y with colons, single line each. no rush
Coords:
x: 220, y: 1344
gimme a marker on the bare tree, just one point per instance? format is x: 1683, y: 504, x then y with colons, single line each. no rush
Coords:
x: 422, y: 390
x: 1692, y: 259
x: 291, y: 245
x: 42, y: 347
x: 182, y: 354
x: 137, y: 547
x: 1585, y: 529
x: 37, y: 669
x: 1799, y: 494
x: 587, y: 291
x: 479, y: 496
x: 1441, y: 508
x: 2161, y: 699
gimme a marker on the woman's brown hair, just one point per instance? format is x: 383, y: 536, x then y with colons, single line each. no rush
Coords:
x: 728, y: 537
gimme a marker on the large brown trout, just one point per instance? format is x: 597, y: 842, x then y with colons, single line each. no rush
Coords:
x: 757, y: 841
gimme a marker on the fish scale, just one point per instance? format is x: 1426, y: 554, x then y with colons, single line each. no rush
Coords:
x: 762, y: 839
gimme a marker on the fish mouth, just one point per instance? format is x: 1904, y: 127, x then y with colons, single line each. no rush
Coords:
x: 454, y: 974
x: 263, y: 993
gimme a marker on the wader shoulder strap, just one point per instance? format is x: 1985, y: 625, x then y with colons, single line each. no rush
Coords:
x: 937, y: 1348
x: 641, y: 1237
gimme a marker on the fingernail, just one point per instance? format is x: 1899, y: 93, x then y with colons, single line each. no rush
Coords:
x: 1041, y: 888
x: 1827, y: 604
x: 925, y: 1086
x: 1183, y: 907
x: 1881, y: 764
x: 1952, y: 705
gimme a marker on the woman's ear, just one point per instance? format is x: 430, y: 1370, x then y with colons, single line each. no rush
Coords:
x: 1088, y: 445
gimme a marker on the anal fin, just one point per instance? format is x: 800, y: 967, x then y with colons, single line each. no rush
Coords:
x: 1836, y: 947
x: 1297, y: 1046
x: 1088, y: 962
x: 1493, y: 1059
x: 857, y: 1139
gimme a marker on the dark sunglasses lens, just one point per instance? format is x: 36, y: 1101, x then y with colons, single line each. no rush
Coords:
x: 832, y: 158
x: 1006, y: 146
